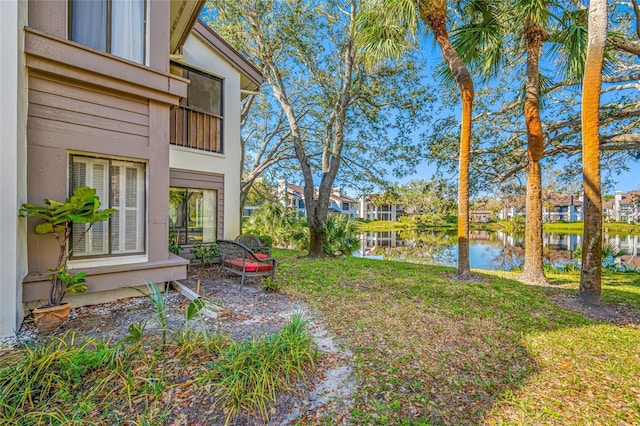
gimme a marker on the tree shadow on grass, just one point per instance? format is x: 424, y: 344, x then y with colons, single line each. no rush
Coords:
x: 442, y: 351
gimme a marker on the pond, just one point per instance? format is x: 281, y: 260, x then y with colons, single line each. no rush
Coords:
x: 487, y: 249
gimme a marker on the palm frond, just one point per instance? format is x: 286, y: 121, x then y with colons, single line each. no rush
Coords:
x: 481, y: 42
x: 386, y: 29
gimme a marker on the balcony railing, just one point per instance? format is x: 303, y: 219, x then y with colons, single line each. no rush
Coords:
x: 195, y: 129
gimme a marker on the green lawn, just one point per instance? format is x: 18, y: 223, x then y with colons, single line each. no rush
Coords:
x: 577, y: 227
x: 432, y: 350
x: 561, y: 227
x: 389, y: 225
x: 427, y: 349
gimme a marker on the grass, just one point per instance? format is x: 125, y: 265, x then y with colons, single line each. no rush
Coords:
x: 152, y: 379
x: 427, y: 350
x: 249, y: 374
x: 563, y: 227
x: 577, y: 227
x: 389, y: 225
x: 381, y: 225
x: 431, y: 350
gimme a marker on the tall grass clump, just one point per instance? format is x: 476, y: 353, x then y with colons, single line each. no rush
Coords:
x: 45, y: 375
x: 248, y: 374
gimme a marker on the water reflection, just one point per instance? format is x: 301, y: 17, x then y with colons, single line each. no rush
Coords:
x: 487, y: 249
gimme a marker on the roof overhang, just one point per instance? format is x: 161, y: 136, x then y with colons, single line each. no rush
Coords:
x: 184, y: 13
x: 251, y: 77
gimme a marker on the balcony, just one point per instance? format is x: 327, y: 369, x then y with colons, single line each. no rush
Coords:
x: 195, y: 129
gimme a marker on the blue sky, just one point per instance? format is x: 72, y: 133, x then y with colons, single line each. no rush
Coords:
x: 624, y: 180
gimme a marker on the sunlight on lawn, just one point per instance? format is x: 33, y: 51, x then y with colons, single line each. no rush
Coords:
x: 430, y: 349
x: 585, y: 375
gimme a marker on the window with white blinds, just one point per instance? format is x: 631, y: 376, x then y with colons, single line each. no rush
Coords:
x: 120, y: 185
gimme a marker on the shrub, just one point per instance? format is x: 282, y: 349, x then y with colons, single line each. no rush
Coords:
x: 204, y: 254
x: 174, y: 245
x: 276, y: 222
x: 266, y: 240
x: 341, y: 235
x: 248, y: 374
x: 270, y: 285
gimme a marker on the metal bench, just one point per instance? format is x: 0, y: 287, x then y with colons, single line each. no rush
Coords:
x: 254, y: 244
x: 241, y: 260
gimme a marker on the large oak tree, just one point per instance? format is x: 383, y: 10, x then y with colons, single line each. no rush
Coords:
x: 335, y: 108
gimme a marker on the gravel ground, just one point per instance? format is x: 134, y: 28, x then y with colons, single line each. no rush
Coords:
x: 246, y: 311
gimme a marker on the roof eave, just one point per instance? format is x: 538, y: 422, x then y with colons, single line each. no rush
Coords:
x: 224, y: 49
x: 183, y: 15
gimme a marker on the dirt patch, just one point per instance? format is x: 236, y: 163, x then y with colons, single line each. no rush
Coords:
x: 247, y: 312
x: 609, y: 312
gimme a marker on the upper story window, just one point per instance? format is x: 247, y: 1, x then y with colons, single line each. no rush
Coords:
x: 114, y: 26
x: 204, y: 93
x: 198, y: 122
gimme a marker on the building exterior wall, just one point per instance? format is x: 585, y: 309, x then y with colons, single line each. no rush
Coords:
x: 13, y: 112
x: 197, y: 54
x: 84, y: 101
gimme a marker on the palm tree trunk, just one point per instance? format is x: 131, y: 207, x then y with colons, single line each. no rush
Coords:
x: 533, y: 271
x: 590, y: 275
x: 436, y: 17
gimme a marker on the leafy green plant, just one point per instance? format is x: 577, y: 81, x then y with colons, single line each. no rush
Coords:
x: 266, y: 240
x: 517, y: 223
x: 277, y: 222
x: 609, y: 257
x: 40, y: 373
x: 58, y: 218
x: 136, y: 331
x: 160, y: 302
x: 204, y: 254
x: 270, y: 285
x: 174, y: 245
x: 161, y: 305
x: 561, y: 268
x: 341, y: 235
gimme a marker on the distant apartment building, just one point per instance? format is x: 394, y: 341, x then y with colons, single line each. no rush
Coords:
x: 481, y: 216
x: 512, y: 206
x: 562, y: 207
x: 370, y: 206
x: 555, y: 208
x: 340, y: 203
x: 293, y: 196
x: 623, y: 207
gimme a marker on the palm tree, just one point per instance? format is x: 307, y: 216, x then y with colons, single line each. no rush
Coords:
x: 383, y: 32
x: 527, y: 24
x: 533, y: 16
x: 590, y: 279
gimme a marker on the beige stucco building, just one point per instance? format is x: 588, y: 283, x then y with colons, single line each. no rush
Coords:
x: 135, y: 98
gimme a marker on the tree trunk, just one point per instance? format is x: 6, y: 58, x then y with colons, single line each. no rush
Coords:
x: 316, y: 237
x: 436, y: 17
x: 332, y: 152
x: 590, y: 275
x: 533, y: 271
x: 463, y: 184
